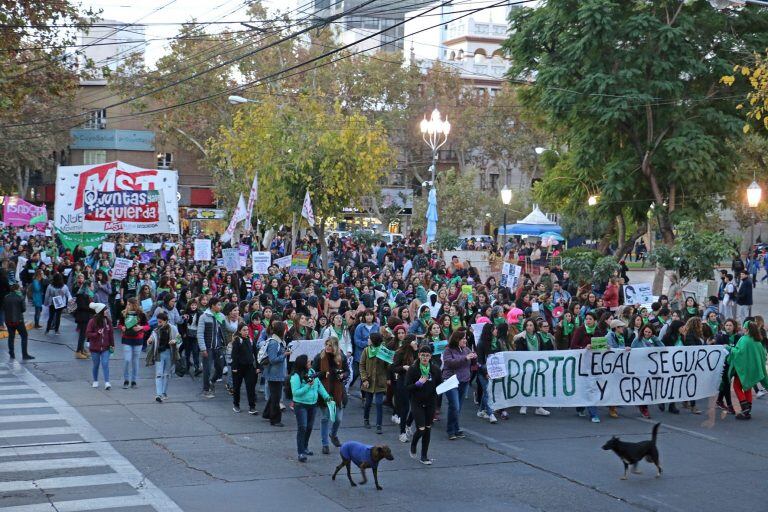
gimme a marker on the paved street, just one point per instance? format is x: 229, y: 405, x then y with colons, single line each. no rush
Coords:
x: 66, y: 446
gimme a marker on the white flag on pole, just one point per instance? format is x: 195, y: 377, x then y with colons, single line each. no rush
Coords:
x: 237, y: 216
x: 251, y: 200
x: 306, y: 210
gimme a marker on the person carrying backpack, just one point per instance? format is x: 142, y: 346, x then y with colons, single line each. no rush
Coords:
x: 272, y: 357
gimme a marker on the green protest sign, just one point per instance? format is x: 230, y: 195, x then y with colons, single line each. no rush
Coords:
x: 599, y: 344
x: 385, y: 354
x: 87, y: 241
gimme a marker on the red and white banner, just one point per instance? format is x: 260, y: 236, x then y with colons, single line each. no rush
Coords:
x: 108, y: 210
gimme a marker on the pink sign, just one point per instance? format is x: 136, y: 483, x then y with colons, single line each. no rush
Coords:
x: 18, y: 212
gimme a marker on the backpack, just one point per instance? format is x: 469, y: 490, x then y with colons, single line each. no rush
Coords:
x: 262, y: 358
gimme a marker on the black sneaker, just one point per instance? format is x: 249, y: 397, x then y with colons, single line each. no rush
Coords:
x: 28, y: 357
x: 134, y: 385
x: 366, y: 424
x: 236, y: 408
x: 159, y: 399
x: 126, y: 384
x: 453, y: 437
x: 460, y: 434
x: 379, y: 430
x: 12, y: 356
x: 198, y: 371
x: 253, y: 412
x: 335, y: 441
x: 309, y: 452
x: 326, y: 450
x: 426, y: 461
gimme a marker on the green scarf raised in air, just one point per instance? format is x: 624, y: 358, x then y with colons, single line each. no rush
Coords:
x: 532, y: 341
x: 455, y: 322
x: 568, y: 328
x: 424, y: 369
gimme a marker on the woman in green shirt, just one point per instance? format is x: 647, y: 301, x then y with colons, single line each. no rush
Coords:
x: 305, y: 389
x: 747, y: 367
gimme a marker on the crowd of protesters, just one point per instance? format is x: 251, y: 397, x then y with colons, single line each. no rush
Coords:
x: 234, y: 329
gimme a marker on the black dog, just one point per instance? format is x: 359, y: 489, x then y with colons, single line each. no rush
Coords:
x: 632, y: 453
x: 364, y: 456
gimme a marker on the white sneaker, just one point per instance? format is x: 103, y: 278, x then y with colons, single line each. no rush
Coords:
x: 403, y: 437
x: 395, y: 419
x: 492, y: 418
x: 523, y: 410
x: 95, y: 384
x: 540, y: 411
x: 282, y: 406
x: 760, y: 394
x: 107, y: 386
x: 482, y: 414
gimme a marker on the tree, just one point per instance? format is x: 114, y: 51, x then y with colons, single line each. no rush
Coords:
x: 635, y: 87
x: 302, y: 146
x: 695, y: 253
x: 756, y: 73
x: 587, y: 266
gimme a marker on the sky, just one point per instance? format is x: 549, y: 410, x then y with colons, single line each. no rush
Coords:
x: 156, y: 13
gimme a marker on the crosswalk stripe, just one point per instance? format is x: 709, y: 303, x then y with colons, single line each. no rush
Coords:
x: 62, y: 482
x: 34, y: 432
x: 48, y: 448
x: 25, y: 406
x: 18, y: 397
x: 7, y: 388
x: 37, y: 465
x: 29, y: 417
x: 78, y: 505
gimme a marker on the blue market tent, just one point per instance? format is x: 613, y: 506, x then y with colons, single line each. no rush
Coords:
x: 534, y: 224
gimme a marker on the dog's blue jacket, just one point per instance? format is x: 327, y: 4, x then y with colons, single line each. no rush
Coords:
x: 357, y: 453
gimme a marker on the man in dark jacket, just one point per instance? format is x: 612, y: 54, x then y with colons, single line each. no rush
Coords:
x: 14, y: 307
x: 744, y: 296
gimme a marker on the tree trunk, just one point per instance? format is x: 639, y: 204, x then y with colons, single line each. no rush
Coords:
x: 629, y: 242
x: 22, y: 181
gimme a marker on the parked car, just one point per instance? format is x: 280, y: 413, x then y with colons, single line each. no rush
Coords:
x: 392, y: 238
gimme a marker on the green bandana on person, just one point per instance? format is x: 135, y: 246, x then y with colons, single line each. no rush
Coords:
x: 691, y: 311
x: 714, y: 326
x: 645, y: 320
x: 620, y: 339
x: 532, y: 341
x: 424, y: 369
x: 446, y: 332
x: 219, y: 317
x: 590, y: 330
x: 372, y: 351
x: 494, y: 343
x: 455, y: 322
x: 568, y: 328
x: 498, y: 321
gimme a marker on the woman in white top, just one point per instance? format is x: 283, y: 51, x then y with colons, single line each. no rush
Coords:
x: 337, y: 328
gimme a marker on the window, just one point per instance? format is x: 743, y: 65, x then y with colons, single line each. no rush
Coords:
x: 94, y: 156
x: 371, y: 23
x: 494, y: 181
x: 165, y: 160
x: 481, y: 28
x: 96, y: 119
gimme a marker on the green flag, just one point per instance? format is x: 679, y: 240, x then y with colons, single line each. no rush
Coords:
x: 87, y: 241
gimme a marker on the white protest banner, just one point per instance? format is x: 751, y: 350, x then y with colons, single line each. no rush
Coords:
x: 202, y: 249
x: 220, y: 262
x: 495, y: 366
x: 19, y: 267
x: 639, y: 293
x: 242, y: 252
x: 284, y: 262
x: 261, y: 261
x: 231, y: 259
x: 120, y: 270
x: 309, y: 348
x: 100, y: 182
x: 447, y: 385
x: 108, y: 246
x: 578, y: 378
x: 151, y: 246
x: 510, y: 275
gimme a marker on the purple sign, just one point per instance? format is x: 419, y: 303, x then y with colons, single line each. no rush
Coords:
x: 18, y: 212
x: 146, y: 257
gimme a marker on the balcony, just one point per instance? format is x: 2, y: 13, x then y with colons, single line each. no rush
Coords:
x: 126, y: 140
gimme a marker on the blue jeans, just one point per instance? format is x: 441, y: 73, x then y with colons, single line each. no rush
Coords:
x: 326, y: 420
x: 305, y: 419
x: 379, y: 399
x: 38, y: 312
x: 163, y: 372
x: 591, y: 410
x: 455, y: 398
x: 131, y: 365
x: 100, y: 358
x: 485, y: 387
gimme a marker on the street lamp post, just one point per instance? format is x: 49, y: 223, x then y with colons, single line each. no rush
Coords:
x: 754, y: 193
x: 435, y: 132
x: 506, y: 198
